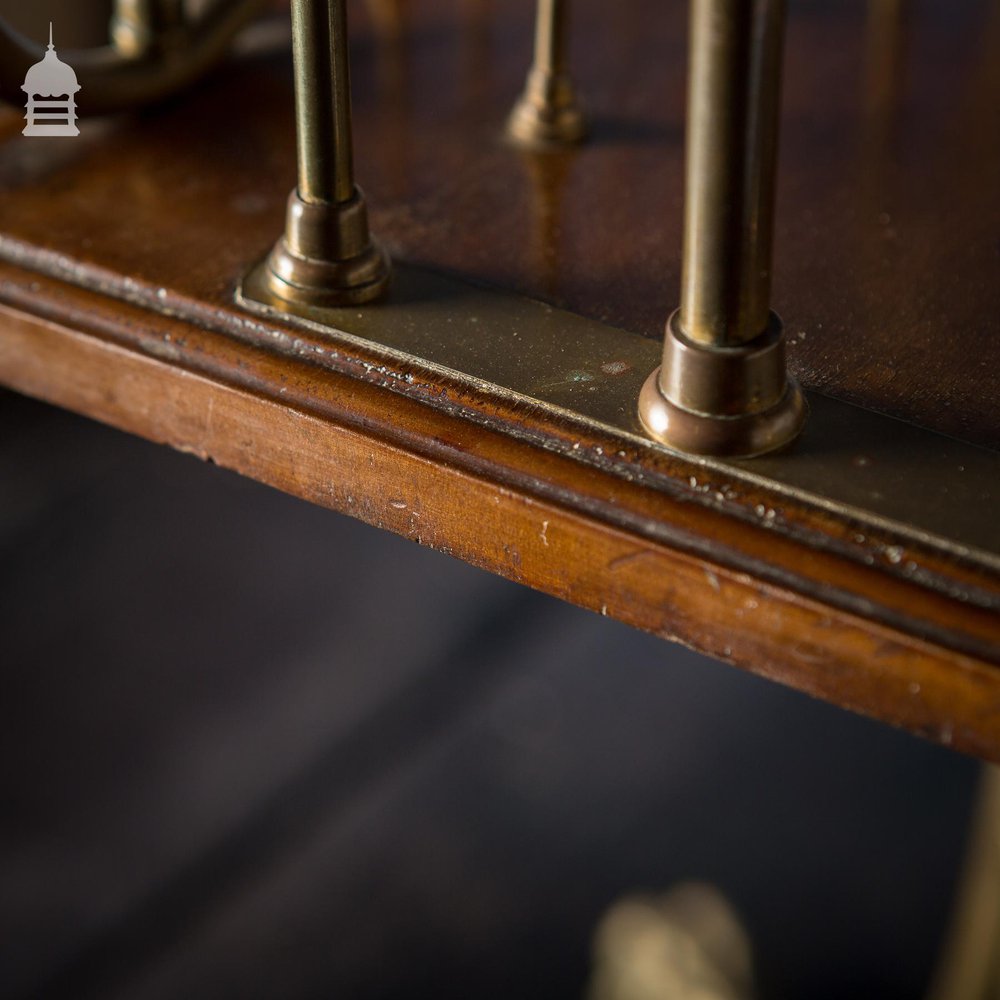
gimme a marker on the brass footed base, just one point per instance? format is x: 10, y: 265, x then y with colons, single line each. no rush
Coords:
x: 327, y: 257
x: 547, y: 113
x: 731, y: 401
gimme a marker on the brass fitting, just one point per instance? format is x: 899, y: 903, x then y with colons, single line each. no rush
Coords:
x: 722, y: 400
x: 547, y: 112
x: 723, y: 388
x: 326, y: 256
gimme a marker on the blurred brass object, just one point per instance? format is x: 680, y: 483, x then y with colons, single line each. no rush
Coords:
x: 547, y: 112
x: 113, y: 81
x: 141, y: 26
x: 688, y: 944
x: 326, y: 256
x: 970, y: 964
x: 722, y: 388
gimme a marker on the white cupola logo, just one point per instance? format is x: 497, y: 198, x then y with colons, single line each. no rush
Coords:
x: 51, y: 86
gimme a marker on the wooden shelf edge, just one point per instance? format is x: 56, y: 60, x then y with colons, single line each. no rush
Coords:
x: 535, y: 517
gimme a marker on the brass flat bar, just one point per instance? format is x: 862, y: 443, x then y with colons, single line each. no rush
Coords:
x: 861, y: 465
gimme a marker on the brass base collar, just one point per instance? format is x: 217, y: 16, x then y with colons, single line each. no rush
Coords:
x: 327, y: 257
x: 724, y: 401
x: 547, y: 113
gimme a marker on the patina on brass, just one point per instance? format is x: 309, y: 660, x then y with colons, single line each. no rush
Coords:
x: 722, y: 388
x: 547, y: 112
x: 326, y: 255
x: 504, y: 346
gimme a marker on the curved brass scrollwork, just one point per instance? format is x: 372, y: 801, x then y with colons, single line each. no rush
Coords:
x: 113, y: 80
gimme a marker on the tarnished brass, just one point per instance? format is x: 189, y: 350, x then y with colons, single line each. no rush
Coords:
x: 326, y: 256
x: 858, y: 464
x: 547, y: 112
x: 722, y: 388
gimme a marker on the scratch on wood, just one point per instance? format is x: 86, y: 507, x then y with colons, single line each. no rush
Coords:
x: 620, y: 561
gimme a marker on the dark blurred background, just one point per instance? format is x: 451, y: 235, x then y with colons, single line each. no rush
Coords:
x: 250, y: 748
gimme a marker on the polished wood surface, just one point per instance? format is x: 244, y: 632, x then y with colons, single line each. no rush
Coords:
x: 123, y: 249
x: 885, y: 269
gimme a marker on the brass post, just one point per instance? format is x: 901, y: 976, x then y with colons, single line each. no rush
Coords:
x: 326, y: 256
x: 322, y: 101
x: 547, y: 113
x: 722, y: 388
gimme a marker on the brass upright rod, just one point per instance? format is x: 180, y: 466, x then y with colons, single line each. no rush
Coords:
x: 322, y: 100
x: 723, y: 387
x: 326, y: 256
x: 733, y: 108
x: 550, y: 37
x: 547, y: 113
